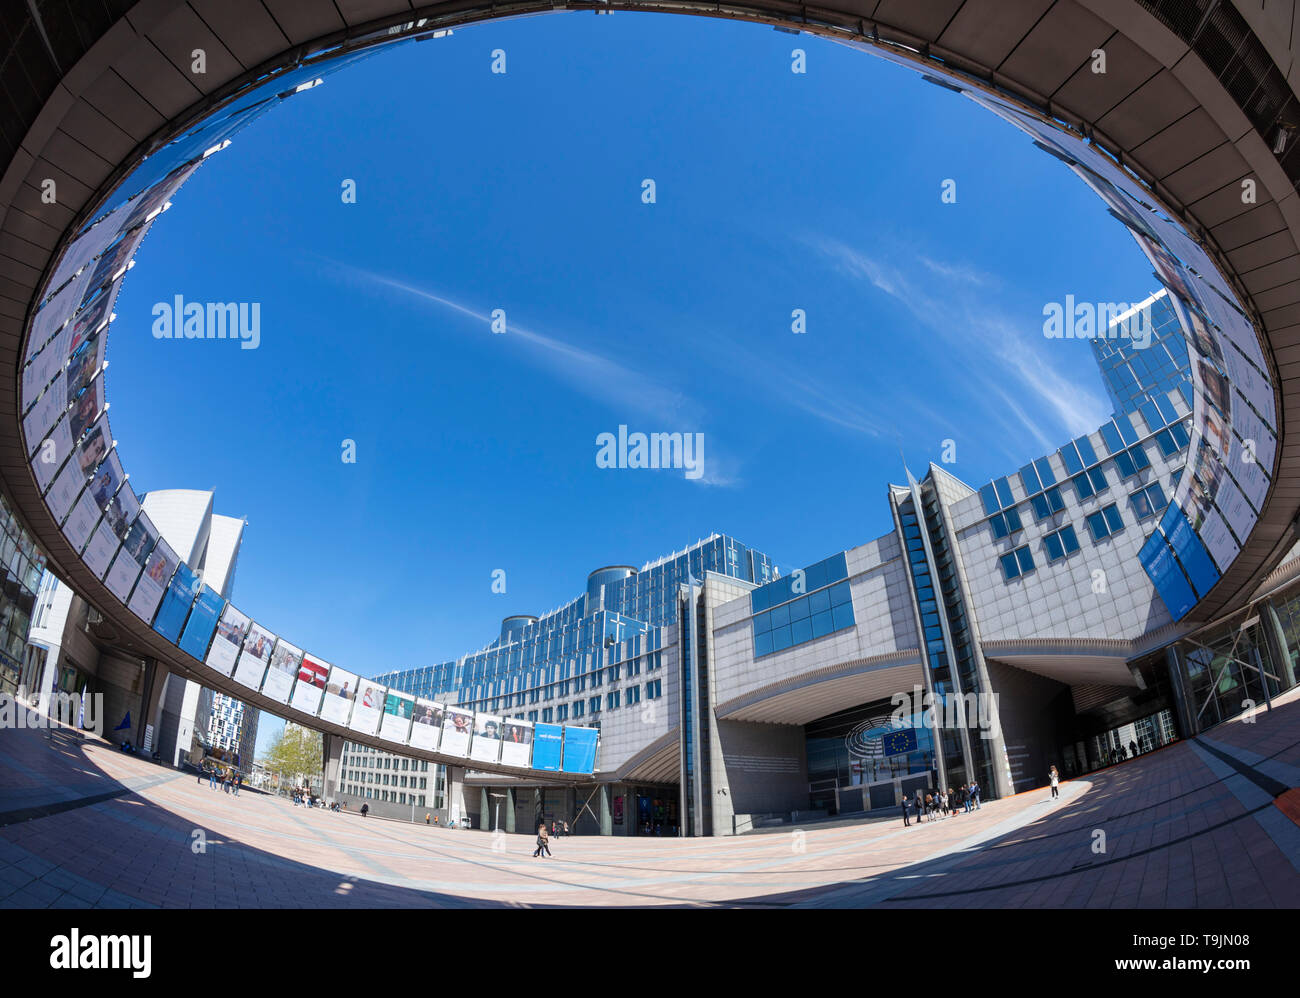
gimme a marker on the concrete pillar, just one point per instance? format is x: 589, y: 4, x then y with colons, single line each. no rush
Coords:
x: 332, y: 759
x: 455, y: 793
x: 509, y: 805
x: 486, y: 812
x: 151, y: 697
x: 606, y: 817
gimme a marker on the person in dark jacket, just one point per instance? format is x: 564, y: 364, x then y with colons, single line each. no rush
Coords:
x: 907, y: 806
x: 542, y: 849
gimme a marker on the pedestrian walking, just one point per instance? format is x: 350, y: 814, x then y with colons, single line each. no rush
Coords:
x: 920, y: 808
x: 566, y: 829
x: 365, y: 809
x: 975, y: 792
x: 966, y: 795
x: 1055, y: 779
x: 907, y: 806
x: 542, y: 849
x: 426, y: 818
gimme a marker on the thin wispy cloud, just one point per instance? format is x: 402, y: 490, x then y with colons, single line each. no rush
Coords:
x: 960, y: 313
x: 594, y: 375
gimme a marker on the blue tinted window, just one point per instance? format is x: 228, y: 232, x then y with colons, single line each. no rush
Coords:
x: 1097, y: 526
x: 1112, y: 439
x: 819, y: 601
x: 763, y: 644
x: 762, y: 623
x: 990, y: 499
x: 1141, y: 505
x: 1025, y: 559
x: 1157, y: 496
x: 1055, y: 501
x: 1013, y: 520
x: 1113, y: 519
x: 799, y: 609
x: 1053, y: 544
x: 822, y: 624
x: 1071, y: 458
x: 1140, y: 459
x: 842, y: 615
x: 1126, y: 428
x: 781, y: 616
x: 1003, y: 488
x: 1165, y: 441
x: 1083, y: 487
x: 1098, y: 478
x: 780, y: 638
x: 1152, y: 415
x: 840, y: 593
x: 1124, y: 462
x: 801, y: 630
x: 1086, y: 452
x: 1010, y: 567
x: 1188, y: 395
x: 1069, y: 540
x: 1179, y: 430
x: 1040, y: 507
x: 1045, y: 473
x: 999, y: 524
x: 815, y: 577
x: 1029, y: 479
x: 1166, y: 408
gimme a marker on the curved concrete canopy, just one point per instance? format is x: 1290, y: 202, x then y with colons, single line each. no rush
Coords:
x: 116, y: 95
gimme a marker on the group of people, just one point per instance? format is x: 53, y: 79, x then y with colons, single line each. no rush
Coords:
x: 229, y: 782
x: 940, y: 804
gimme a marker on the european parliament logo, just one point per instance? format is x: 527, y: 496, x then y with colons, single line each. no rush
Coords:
x: 898, y: 742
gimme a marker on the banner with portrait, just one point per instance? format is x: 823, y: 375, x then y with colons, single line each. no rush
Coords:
x: 517, y: 743
x: 282, y: 671
x: 399, y: 708
x: 340, y: 694
x: 369, y: 707
x: 457, y: 725
x: 427, y: 729
x: 310, y: 687
x: 231, y: 630
x: 149, y: 589
x: 254, y: 657
x: 486, y: 746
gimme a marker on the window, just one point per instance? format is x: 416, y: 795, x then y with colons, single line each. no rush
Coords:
x: 1047, y: 504
x: 1006, y: 524
x: 1017, y: 563
x: 1061, y: 543
x: 1105, y: 522
x: 633, y: 695
x: 594, y: 704
x: 1131, y: 461
x: 1149, y: 501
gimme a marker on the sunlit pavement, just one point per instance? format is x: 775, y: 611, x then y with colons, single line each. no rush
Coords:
x: 1193, y: 825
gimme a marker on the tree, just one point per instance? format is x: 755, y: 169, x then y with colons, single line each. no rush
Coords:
x: 296, y: 753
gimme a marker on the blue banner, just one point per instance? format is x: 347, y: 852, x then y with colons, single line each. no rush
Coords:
x: 898, y: 742
x: 580, y: 750
x: 176, y: 603
x: 1190, y: 550
x: 202, y: 623
x: 546, y: 746
x: 1163, y: 570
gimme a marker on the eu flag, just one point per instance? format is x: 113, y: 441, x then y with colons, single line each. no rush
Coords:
x: 898, y: 742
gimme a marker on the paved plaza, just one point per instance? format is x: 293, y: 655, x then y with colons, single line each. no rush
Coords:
x: 1207, y: 823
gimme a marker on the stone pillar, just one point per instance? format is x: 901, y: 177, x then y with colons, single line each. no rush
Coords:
x: 151, y: 696
x: 486, y: 812
x: 509, y: 805
x: 332, y: 760
x: 455, y: 793
x: 606, y: 817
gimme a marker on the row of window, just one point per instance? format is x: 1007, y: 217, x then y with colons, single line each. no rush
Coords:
x: 804, y: 619
x: 627, y: 697
x: 382, y: 779
x: 392, y: 796
x: 382, y: 761
x: 1064, y: 542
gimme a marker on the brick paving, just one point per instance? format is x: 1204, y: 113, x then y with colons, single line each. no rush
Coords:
x: 83, y: 825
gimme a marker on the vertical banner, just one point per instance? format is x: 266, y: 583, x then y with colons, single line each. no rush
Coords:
x: 310, y: 687
x: 427, y: 728
x: 231, y: 630
x: 517, y: 743
x: 153, y: 581
x: 456, y: 728
x: 278, y: 684
x: 369, y: 707
x: 255, y: 657
x: 340, y: 694
x: 487, y: 738
x: 398, y: 708
x: 203, y: 621
x: 547, y: 746
x: 580, y: 750
x: 176, y: 603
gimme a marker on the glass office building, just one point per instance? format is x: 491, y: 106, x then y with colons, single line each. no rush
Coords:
x: 1136, y: 369
x: 22, y: 564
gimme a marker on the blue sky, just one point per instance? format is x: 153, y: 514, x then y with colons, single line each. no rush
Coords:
x: 522, y: 191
